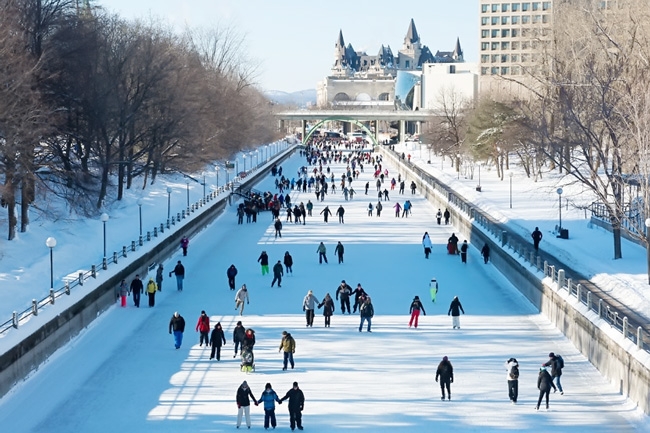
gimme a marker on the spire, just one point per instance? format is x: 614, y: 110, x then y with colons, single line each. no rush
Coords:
x: 458, y: 51
x: 340, y: 42
x: 412, y: 33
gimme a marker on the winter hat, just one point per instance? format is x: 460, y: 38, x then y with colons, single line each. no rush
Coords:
x: 176, y: 314
x: 284, y: 332
x: 342, y: 281
x: 310, y: 292
x: 551, y: 355
x: 244, y: 384
x: 444, y: 358
x: 267, y: 386
x: 295, y: 384
x: 202, y: 312
x: 416, y: 297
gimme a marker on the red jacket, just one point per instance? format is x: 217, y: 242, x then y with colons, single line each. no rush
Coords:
x: 203, y: 324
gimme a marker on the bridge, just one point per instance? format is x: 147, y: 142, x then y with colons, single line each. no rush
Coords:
x: 357, y: 117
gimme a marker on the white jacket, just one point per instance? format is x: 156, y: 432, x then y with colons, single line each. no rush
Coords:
x: 242, y: 295
x: 509, y: 366
x: 426, y: 242
x: 310, y: 302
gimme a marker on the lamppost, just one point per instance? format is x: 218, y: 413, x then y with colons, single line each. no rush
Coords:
x: 204, y: 184
x: 237, y: 167
x: 559, y: 194
x: 104, y: 219
x: 458, y: 165
x: 169, y: 199
x: 647, y: 248
x: 187, y: 183
x: 140, y: 213
x: 244, y: 156
x: 510, y: 174
x: 257, y: 158
x: 51, y: 243
x: 217, y: 169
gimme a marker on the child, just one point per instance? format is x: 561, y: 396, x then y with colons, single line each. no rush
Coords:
x: 269, y: 397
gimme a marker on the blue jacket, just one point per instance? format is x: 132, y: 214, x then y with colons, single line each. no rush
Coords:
x: 269, y: 397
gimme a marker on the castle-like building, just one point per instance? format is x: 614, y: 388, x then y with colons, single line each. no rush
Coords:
x: 361, y: 80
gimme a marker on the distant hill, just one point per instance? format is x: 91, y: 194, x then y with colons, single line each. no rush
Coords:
x: 302, y: 98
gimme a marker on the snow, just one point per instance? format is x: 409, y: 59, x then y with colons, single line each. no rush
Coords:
x: 123, y: 373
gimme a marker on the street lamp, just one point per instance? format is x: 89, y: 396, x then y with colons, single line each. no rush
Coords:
x: 458, y: 165
x: 510, y: 174
x: 559, y: 194
x: 187, y: 182
x: 140, y: 213
x: 104, y: 218
x: 244, y: 156
x: 51, y: 243
x: 169, y: 199
x: 237, y: 167
x: 647, y: 247
x: 217, y: 169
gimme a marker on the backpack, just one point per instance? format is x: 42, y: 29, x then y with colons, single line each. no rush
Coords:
x: 514, y: 372
x: 560, y: 361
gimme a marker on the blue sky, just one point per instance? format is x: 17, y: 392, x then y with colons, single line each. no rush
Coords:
x: 293, y: 40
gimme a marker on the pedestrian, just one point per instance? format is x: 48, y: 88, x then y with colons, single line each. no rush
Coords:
x: 309, y: 207
x: 231, y: 273
x: 328, y: 309
x: 386, y: 195
x: 344, y: 290
x: 379, y: 208
x: 159, y: 276
x: 445, y: 373
x: 179, y: 271
x: 243, y: 397
x: 288, y: 263
x: 288, y: 347
x: 269, y: 397
x: 452, y: 244
x: 136, y: 289
x: 340, y: 211
x: 151, y: 291
x: 278, y: 227
x: 339, y: 250
x: 398, y: 208
x: 240, y: 297
x: 217, y: 339
x: 123, y: 292
x: 544, y: 384
x: 322, y: 253
x: 413, y: 187
x: 367, y: 186
x: 366, y: 311
x: 177, y: 326
x: 416, y: 307
x: 463, y: 252
x: 308, y: 306
x: 401, y: 187
x: 438, y: 216
x: 326, y: 212
x: 238, y: 336
x: 485, y: 252
x: 359, y: 296
x: 185, y: 242
x: 203, y: 328
x: 537, y: 237
x: 264, y: 262
x: 426, y: 243
x: 296, y: 405
x: 370, y: 207
x: 557, y: 364
x: 512, y: 367
x: 278, y: 272
x: 447, y: 215
x: 454, y: 310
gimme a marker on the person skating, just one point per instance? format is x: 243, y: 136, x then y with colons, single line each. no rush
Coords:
x: 359, y: 296
x: 123, y: 292
x: 452, y: 244
x: 238, y: 336
x: 244, y: 394
x: 463, y: 252
x: 309, y: 207
x: 366, y: 312
x: 485, y: 252
x: 438, y: 216
x: 544, y: 384
x: 278, y: 227
x: 217, y: 339
x: 398, y: 208
x: 241, y: 297
x: 288, y: 347
x: 159, y: 276
x: 340, y: 212
x: 308, y: 306
x: 537, y: 237
x: 136, y: 289
x: 177, y: 327
x: 426, y: 243
x: 413, y: 187
x: 416, y: 307
x: 264, y: 262
x: 203, y: 328
x: 339, y: 250
x: 322, y: 253
x: 370, y: 208
x: 454, y: 310
x: 179, y: 271
x: 185, y: 242
x: 151, y: 291
x: 231, y: 273
x: 379, y: 208
x: 512, y: 368
x: 288, y: 263
x: 557, y: 364
x: 326, y: 213
x: 447, y: 215
x: 445, y: 373
x: 344, y: 291
x: 296, y: 405
x: 328, y: 309
x: 269, y: 397
x: 278, y: 272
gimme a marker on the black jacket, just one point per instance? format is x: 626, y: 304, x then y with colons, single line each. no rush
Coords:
x: 263, y: 259
x: 177, y: 324
x: 231, y: 272
x: 278, y: 270
x: 544, y: 381
x: 288, y: 260
x: 344, y: 290
x: 555, y: 366
x: 454, y: 307
x: 445, y: 371
x: 136, y: 286
x: 217, y: 337
x: 417, y: 305
x: 328, y: 303
x: 296, y: 400
x: 179, y: 270
x: 243, y: 396
x: 238, y: 334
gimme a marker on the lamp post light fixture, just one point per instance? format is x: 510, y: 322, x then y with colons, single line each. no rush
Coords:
x: 647, y: 247
x: 237, y: 167
x: 217, y: 170
x: 169, y: 199
x: 51, y: 243
x: 104, y: 218
x: 187, y: 183
x: 510, y: 175
x: 140, y: 213
x: 244, y: 156
x: 458, y: 165
x: 559, y: 194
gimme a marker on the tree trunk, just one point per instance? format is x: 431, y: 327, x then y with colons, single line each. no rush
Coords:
x: 9, y: 194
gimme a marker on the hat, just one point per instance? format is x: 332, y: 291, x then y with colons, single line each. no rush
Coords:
x: 268, y: 386
x: 284, y: 332
x: 416, y: 297
x: 202, y: 312
x: 244, y: 384
x: 295, y: 384
x: 342, y: 281
x: 444, y: 358
x: 310, y: 292
x: 551, y: 355
x: 176, y: 314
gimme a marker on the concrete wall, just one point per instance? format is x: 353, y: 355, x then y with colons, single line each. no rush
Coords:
x: 617, y: 358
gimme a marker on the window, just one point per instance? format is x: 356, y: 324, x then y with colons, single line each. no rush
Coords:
x: 505, y: 7
x: 515, y: 70
x: 525, y: 19
x: 515, y: 19
x: 494, y: 70
x: 484, y: 8
x: 535, y: 6
x: 515, y: 45
x: 495, y: 21
x: 546, y: 6
x: 515, y: 7
x: 495, y: 7
x: 505, y: 20
x: 514, y: 58
x: 485, y: 21
x: 485, y: 33
x: 505, y: 33
x: 505, y: 45
x: 484, y: 70
x: 484, y: 46
x: 495, y: 58
x: 525, y: 45
x: 515, y: 33
x: 525, y: 7
x: 537, y: 19
x: 408, y: 64
x: 524, y: 58
x: 505, y: 58
x: 495, y: 33
x: 505, y: 71
x: 485, y: 58
x: 546, y: 18
x: 495, y: 46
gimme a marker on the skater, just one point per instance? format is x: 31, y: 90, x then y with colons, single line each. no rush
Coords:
x: 309, y: 207
x: 386, y: 195
x: 326, y: 213
x: 288, y: 346
x: 151, y: 291
x: 278, y: 227
x: 416, y: 307
x: 454, y: 310
x: 379, y: 208
x: 544, y: 384
x: 269, y: 397
x: 438, y: 216
x: 238, y: 336
x: 231, y: 273
x: 426, y: 243
x: 537, y: 237
x: 278, y: 272
x: 367, y: 186
x: 344, y: 290
x: 177, y: 326
x: 557, y: 364
x: 452, y: 244
x: 123, y: 292
x: 413, y: 187
x: 179, y: 271
x: 485, y: 252
x: 447, y: 215
x: 340, y: 211
x: 366, y: 312
x: 240, y: 297
x: 308, y: 306
x: 185, y: 242
x: 328, y: 309
x: 217, y: 339
x: 288, y: 263
x: 463, y: 252
x: 322, y: 253
x: 445, y: 373
x: 136, y: 289
x: 264, y: 262
x: 370, y: 207
x: 398, y: 208
x: 296, y: 405
x: 203, y: 328
x: 359, y: 296
x: 159, y: 276
x: 339, y: 250
x: 512, y: 367
x: 244, y: 403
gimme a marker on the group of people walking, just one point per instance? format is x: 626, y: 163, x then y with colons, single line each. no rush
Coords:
x: 268, y: 398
